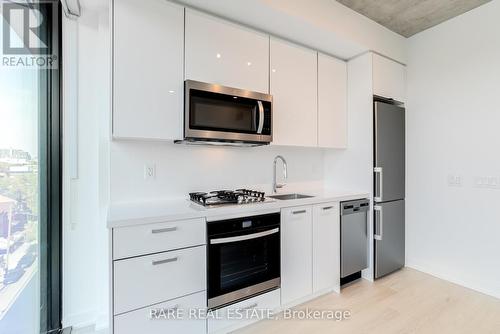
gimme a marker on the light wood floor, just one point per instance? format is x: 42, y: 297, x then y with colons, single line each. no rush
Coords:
x: 407, y: 301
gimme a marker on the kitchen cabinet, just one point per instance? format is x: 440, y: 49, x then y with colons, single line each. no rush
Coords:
x: 148, y: 44
x: 227, y: 54
x: 294, y: 88
x: 326, y: 247
x: 139, y: 321
x: 132, y: 241
x: 389, y: 78
x: 221, y: 322
x: 332, y: 102
x: 296, y: 253
x: 146, y: 280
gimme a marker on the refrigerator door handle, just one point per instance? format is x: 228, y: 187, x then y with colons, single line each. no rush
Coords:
x: 378, y: 236
x: 380, y: 172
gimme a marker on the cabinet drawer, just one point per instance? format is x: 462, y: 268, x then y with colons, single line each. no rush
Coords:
x: 140, y: 321
x: 221, y: 324
x: 154, y: 238
x: 147, y: 280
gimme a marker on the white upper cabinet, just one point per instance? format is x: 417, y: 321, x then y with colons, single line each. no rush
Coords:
x: 389, y: 78
x: 332, y: 102
x: 223, y: 53
x: 148, y: 40
x: 294, y: 89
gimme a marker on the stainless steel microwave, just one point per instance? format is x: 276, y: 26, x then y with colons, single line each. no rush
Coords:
x: 225, y: 115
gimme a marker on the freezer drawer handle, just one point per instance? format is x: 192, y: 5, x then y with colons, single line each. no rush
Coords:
x: 380, y: 172
x: 299, y: 212
x: 380, y: 222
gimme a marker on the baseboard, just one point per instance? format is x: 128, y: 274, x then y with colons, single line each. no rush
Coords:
x: 79, y: 320
x: 443, y: 276
x: 102, y: 322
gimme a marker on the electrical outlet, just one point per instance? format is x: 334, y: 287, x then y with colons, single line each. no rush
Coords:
x: 149, y: 171
x: 455, y: 180
x: 490, y: 182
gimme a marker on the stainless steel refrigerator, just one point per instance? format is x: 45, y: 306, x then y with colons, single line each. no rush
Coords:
x: 389, y: 184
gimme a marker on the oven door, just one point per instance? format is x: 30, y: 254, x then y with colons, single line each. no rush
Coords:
x: 243, y: 265
x: 215, y: 112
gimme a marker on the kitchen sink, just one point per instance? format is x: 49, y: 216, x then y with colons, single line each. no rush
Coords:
x: 289, y: 196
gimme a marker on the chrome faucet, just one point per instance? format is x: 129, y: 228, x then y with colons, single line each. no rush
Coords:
x: 279, y: 185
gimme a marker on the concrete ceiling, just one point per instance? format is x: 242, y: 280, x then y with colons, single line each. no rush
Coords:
x: 408, y: 17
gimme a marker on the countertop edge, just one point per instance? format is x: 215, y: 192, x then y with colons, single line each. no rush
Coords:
x: 233, y: 211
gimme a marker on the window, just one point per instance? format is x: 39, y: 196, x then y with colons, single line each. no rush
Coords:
x: 30, y: 168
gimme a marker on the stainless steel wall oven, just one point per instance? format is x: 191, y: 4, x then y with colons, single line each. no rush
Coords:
x: 243, y: 258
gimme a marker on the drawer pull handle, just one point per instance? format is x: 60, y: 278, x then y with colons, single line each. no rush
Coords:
x: 163, y: 230
x: 328, y: 208
x: 298, y: 212
x: 164, y: 310
x: 172, y: 259
x: 250, y: 307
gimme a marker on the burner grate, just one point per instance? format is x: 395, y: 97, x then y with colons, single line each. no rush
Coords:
x: 220, y: 197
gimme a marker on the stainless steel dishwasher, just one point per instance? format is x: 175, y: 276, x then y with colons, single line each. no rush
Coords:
x: 354, y: 237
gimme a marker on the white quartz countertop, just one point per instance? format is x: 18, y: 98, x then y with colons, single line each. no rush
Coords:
x: 156, y: 211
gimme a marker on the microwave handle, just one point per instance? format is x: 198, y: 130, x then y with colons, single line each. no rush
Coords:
x: 261, y: 117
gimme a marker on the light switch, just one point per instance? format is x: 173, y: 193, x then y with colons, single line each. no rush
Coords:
x: 455, y: 180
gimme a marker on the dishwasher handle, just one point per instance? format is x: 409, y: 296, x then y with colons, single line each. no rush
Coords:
x: 352, y: 207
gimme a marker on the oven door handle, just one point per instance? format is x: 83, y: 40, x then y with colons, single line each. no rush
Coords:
x: 244, y: 237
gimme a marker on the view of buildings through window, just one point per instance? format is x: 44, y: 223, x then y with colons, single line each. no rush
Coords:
x: 19, y: 208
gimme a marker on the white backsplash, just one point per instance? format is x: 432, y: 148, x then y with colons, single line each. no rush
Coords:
x: 181, y: 169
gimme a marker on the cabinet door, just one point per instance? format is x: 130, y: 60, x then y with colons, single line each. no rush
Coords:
x: 294, y: 89
x: 296, y: 253
x: 389, y: 78
x: 326, y: 247
x: 332, y: 102
x: 148, y: 44
x: 223, y: 53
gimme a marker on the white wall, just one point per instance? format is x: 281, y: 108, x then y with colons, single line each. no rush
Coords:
x: 85, y: 236
x: 453, y: 116
x: 325, y: 25
x: 181, y: 169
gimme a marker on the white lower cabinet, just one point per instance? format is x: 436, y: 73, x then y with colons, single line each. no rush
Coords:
x: 296, y: 253
x: 169, y: 317
x: 326, y: 247
x: 241, y: 314
x: 147, y: 280
x: 146, y: 239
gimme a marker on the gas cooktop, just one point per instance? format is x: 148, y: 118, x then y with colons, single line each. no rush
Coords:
x: 223, y: 197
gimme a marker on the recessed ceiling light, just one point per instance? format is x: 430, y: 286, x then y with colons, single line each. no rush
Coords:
x: 218, y: 55
x: 249, y: 64
x: 171, y: 91
x: 274, y: 70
